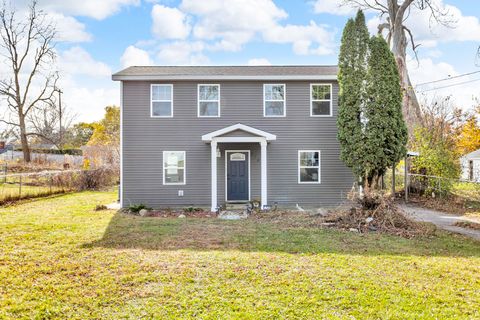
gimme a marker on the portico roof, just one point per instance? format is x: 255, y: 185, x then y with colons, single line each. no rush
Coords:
x: 218, y: 133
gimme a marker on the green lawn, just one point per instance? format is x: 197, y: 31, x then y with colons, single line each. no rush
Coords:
x: 61, y: 259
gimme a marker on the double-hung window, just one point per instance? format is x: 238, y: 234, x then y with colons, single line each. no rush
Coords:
x: 274, y: 100
x: 173, y: 167
x: 308, y: 166
x: 320, y: 100
x: 161, y: 100
x: 209, y: 100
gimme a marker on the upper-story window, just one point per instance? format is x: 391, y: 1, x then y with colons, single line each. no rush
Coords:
x: 209, y: 100
x: 161, y: 97
x: 274, y: 100
x: 320, y: 100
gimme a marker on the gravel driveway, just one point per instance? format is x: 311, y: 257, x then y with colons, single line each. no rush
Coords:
x: 441, y: 220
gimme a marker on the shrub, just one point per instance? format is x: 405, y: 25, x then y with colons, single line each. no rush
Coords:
x: 97, y: 178
x: 437, y: 158
x: 135, y: 208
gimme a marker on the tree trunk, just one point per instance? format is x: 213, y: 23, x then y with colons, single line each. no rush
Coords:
x: 410, y: 105
x: 24, y: 140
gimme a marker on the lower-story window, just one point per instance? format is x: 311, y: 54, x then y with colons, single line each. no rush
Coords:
x: 174, y: 167
x: 309, y: 166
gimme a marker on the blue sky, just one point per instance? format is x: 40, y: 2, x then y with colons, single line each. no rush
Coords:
x: 101, y: 37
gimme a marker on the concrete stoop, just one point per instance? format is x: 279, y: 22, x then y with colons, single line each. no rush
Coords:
x: 233, y: 215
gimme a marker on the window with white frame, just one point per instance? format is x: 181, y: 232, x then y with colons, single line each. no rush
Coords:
x: 161, y: 100
x: 274, y: 100
x: 309, y: 166
x: 209, y: 100
x: 173, y: 167
x: 320, y: 100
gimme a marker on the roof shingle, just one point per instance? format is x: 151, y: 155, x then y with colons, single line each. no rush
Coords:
x: 233, y: 72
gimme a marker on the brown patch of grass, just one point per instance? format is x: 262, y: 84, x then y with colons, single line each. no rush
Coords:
x: 206, y: 236
x: 11, y: 199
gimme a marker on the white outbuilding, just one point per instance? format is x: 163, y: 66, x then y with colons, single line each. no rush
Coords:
x: 471, y: 166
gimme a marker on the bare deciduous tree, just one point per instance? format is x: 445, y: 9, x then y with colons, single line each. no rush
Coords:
x: 50, y: 123
x: 394, y: 13
x: 441, y: 118
x: 27, y: 46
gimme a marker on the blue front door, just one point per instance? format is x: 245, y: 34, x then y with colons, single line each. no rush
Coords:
x: 237, y: 176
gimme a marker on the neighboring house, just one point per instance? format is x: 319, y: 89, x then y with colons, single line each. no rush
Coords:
x: 205, y: 136
x: 4, y: 147
x: 43, y: 146
x: 471, y: 166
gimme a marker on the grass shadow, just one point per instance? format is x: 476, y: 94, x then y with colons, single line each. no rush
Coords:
x: 256, y: 235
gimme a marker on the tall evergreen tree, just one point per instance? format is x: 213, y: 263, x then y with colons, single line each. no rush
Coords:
x: 384, y: 128
x: 351, y: 77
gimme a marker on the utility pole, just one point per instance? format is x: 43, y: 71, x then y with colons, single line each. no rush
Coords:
x: 60, y: 113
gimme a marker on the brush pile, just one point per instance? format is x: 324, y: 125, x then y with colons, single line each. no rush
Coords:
x: 378, y: 213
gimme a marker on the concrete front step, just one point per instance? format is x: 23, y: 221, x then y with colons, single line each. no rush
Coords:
x: 233, y: 214
x: 236, y: 206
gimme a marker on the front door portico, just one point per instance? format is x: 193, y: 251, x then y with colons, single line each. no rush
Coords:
x: 252, y: 135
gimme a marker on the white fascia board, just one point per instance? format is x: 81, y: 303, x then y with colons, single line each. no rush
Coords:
x: 221, y: 77
x: 268, y: 136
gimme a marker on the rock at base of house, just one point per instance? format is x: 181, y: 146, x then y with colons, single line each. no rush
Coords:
x: 143, y: 212
x: 322, y: 212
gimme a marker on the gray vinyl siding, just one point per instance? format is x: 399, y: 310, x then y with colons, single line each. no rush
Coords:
x: 145, y: 138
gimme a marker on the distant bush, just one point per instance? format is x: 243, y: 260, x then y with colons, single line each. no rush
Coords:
x: 72, y: 152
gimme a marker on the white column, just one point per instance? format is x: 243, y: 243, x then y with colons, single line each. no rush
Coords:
x: 263, y: 145
x: 213, y: 145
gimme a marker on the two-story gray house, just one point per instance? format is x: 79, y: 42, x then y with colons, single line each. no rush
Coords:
x: 205, y: 136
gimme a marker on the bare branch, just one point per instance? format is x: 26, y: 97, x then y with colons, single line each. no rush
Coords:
x: 412, y: 42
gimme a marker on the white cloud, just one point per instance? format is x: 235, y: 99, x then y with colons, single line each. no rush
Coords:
x: 69, y: 29
x: 133, y: 56
x: 231, y: 24
x: 89, y: 8
x: 89, y: 103
x: 259, y: 62
x: 427, y: 70
x: 430, y: 33
x: 309, y: 39
x: 333, y: 7
x: 77, y: 61
x: 169, y: 23
x: 182, y: 53
x: 87, y: 97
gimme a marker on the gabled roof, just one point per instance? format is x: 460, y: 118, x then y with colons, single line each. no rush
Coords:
x: 209, y: 136
x: 473, y: 155
x: 312, y: 72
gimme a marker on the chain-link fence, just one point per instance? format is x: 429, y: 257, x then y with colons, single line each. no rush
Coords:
x: 433, y: 186
x: 19, y: 186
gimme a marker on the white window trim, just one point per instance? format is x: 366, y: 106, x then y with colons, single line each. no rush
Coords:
x: 184, y: 169
x: 319, y: 167
x: 226, y: 174
x: 198, y: 100
x: 152, y: 101
x: 284, y: 100
x: 320, y: 100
